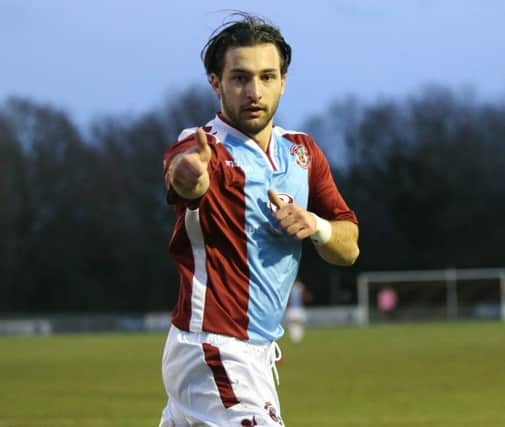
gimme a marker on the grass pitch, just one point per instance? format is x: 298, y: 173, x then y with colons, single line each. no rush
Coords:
x: 437, y: 375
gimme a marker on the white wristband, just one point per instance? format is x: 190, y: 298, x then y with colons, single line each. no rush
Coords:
x: 323, y: 231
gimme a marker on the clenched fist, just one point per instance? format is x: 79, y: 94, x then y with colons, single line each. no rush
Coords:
x: 188, y: 173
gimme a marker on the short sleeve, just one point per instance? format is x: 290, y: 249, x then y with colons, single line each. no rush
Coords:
x: 325, y: 199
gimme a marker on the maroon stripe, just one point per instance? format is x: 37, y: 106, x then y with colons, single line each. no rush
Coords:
x: 227, y: 287
x: 213, y: 360
x: 227, y: 297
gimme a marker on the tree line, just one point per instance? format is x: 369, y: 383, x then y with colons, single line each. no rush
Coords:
x: 85, y: 226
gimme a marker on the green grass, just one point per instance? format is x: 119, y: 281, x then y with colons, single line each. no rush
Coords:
x: 441, y: 375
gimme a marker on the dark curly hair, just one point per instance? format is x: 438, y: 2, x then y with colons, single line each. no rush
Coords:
x: 250, y: 30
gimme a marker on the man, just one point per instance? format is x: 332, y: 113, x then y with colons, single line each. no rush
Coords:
x: 246, y: 194
x: 296, y: 315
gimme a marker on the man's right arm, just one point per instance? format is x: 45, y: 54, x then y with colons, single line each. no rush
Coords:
x: 187, y: 174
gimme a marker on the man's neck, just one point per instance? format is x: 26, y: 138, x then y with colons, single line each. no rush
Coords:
x: 262, y: 138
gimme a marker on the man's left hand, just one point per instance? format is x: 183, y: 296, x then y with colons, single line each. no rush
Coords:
x: 293, y: 219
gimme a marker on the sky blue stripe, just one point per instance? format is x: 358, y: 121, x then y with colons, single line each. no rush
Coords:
x: 273, y: 256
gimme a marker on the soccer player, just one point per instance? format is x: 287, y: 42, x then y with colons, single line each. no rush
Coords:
x: 246, y: 194
x: 296, y: 315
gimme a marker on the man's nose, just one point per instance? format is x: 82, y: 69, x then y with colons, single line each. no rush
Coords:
x: 253, y: 90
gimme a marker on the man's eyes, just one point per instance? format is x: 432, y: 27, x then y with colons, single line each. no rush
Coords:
x: 244, y: 79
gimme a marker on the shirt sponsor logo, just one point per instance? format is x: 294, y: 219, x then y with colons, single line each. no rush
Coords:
x: 235, y: 164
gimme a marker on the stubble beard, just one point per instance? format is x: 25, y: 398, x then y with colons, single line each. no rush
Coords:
x: 250, y: 127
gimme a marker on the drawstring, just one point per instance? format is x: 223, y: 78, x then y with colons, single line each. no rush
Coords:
x: 274, y: 355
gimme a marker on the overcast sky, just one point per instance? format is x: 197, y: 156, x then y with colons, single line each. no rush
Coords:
x: 96, y: 57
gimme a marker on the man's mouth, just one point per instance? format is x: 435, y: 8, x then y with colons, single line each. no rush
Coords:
x: 253, y: 111
x: 253, y: 108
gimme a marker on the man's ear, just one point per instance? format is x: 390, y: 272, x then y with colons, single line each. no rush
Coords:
x: 283, y: 83
x: 215, y: 84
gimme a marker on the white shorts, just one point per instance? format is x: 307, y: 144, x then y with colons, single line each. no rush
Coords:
x: 218, y: 381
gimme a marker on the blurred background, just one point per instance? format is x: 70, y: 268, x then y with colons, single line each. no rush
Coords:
x: 406, y: 98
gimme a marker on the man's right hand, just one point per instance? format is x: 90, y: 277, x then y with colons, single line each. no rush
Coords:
x: 188, y: 172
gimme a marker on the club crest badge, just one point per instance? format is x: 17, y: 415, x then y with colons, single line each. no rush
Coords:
x: 272, y: 412
x: 301, y: 155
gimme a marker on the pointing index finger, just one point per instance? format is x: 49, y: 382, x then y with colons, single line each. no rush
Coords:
x: 202, y: 145
x: 275, y: 199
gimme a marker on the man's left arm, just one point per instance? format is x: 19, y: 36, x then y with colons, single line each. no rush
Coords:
x: 336, y: 241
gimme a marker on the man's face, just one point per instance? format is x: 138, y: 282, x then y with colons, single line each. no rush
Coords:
x: 250, y: 87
